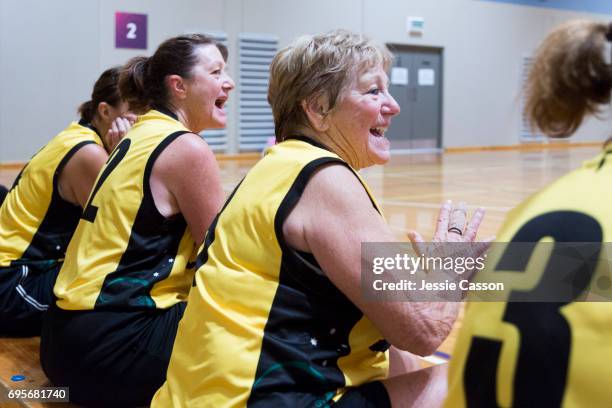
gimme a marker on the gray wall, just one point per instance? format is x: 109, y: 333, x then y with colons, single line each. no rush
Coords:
x: 52, y: 52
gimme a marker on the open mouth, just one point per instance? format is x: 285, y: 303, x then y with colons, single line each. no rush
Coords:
x: 378, y: 131
x: 220, y: 102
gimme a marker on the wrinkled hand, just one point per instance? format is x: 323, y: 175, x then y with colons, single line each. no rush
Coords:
x: 454, y: 238
x: 119, y: 128
x: 451, y: 226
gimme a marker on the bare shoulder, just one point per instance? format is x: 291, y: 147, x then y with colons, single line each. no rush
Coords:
x: 78, y: 175
x: 334, y: 200
x: 186, y: 151
x: 190, y: 145
x: 336, y: 188
x: 90, y: 157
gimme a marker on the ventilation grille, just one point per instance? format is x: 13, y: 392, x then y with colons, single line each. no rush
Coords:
x: 526, y: 135
x: 256, y: 124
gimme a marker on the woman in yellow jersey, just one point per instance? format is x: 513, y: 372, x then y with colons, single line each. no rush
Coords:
x: 43, y: 207
x: 277, y: 317
x: 123, y: 286
x: 527, y: 352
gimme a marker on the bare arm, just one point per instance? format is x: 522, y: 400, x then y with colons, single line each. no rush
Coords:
x: 185, y: 179
x: 331, y: 220
x: 79, y: 175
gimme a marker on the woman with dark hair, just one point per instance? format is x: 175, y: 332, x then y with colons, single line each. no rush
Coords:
x: 123, y: 286
x: 536, y: 353
x: 42, y: 209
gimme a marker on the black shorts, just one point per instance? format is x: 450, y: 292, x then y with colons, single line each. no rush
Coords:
x: 26, y: 291
x: 370, y: 395
x: 109, y: 358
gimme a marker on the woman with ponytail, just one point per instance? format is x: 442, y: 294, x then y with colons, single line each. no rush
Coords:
x: 532, y: 352
x: 43, y: 207
x: 128, y: 270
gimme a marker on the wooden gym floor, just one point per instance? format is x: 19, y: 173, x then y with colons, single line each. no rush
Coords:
x: 410, y: 188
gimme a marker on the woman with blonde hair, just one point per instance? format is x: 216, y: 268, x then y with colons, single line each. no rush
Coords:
x: 277, y: 316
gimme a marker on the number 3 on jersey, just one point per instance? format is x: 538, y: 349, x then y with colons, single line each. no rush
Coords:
x: 545, y: 335
x: 89, y: 214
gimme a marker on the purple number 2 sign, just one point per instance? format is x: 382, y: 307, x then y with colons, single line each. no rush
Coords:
x: 130, y: 30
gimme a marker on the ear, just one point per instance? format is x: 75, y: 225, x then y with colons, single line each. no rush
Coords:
x: 176, y: 86
x: 317, y: 110
x: 104, y: 111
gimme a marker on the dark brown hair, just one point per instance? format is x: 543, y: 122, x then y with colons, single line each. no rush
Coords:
x: 105, y: 89
x: 142, y: 79
x: 570, y: 78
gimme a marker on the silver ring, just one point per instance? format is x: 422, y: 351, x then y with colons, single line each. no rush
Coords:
x: 455, y: 230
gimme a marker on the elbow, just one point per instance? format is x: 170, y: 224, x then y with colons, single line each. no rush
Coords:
x: 420, y: 347
x: 420, y: 342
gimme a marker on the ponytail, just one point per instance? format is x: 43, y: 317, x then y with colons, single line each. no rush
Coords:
x: 86, y: 110
x: 133, y: 84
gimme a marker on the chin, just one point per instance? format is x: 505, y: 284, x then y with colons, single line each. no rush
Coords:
x: 379, y: 154
x: 217, y: 125
x: 382, y: 158
x: 218, y: 122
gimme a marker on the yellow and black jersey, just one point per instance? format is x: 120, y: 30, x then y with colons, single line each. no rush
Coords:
x: 36, y: 223
x: 536, y: 354
x: 124, y: 253
x: 264, y: 326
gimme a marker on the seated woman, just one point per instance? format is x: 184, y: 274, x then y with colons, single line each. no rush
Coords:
x: 277, y: 317
x: 122, y: 289
x: 45, y: 203
x: 550, y: 354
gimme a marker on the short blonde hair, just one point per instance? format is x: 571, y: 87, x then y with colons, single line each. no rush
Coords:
x: 313, y: 66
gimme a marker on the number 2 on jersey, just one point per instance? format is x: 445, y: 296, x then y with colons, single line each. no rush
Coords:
x: 89, y: 214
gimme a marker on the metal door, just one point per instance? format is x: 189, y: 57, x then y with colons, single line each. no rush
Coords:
x: 415, y: 82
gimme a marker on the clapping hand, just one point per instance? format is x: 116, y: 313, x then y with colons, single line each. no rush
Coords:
x: 454, y: 238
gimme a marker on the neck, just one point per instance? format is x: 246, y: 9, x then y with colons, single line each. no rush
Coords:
x: 336, y: 146
x: 102, y: 129
x: 183, y: 116
x: 100, y: 126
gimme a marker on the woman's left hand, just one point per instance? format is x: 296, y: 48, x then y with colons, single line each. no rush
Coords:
x: 119, y: 128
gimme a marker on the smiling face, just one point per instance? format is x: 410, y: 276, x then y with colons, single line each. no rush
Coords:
x: 358, y: 123
x: 208, y: 88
